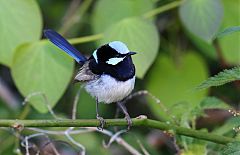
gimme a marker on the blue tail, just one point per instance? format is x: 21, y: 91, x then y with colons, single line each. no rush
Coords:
x: 63, y: 44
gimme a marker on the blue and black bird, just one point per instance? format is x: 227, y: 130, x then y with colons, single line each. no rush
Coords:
x: 108, y: 74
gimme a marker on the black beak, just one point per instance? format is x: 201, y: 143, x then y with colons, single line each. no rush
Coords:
x: 131, y: 53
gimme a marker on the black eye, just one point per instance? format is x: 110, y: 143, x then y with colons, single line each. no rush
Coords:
x: 120, y: 55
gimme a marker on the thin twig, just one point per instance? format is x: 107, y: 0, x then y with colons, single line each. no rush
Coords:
x: 75, y: 142
x: 75, y: 103
x: 143, y: 148
x: 86, y: 39
x: 131, y: 149
x: 26, y: 146
x: 53, y: 132
x: 141, y: 93
x: 45, y: 99
x: 157, y: 100
x: 162, y: 9
x: 113, y: 138
x: 25, y: 143
x: 118, y: 139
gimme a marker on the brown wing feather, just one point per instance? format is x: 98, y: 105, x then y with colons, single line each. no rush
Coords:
x: 85, y: 74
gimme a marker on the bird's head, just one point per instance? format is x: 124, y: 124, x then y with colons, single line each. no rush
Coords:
x: 112, y: 53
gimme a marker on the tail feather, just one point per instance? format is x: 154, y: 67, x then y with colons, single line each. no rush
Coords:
x: 63, y: 44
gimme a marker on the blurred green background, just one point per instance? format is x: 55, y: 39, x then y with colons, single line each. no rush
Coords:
x: 177, y: 50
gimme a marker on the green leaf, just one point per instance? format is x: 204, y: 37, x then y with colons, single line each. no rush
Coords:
x: 195, y: 149
x: 192, y: 146
x: 231, y: 149
x: 108, y: 12
x: 172, y: 83
x: 140, y: 36
x: 20, y: 22
x: 202, y: 17
x: 41, y: 67
x: 213, y: 103
x: 228, y: 126
x: 226, y: 76
x: 230, y: 45
x: 209, y: 103
x: 228, y: 31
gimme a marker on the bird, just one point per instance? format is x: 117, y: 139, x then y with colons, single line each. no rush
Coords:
x: 108, y: 75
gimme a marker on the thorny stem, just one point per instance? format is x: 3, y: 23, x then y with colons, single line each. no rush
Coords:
x: 140, y: 121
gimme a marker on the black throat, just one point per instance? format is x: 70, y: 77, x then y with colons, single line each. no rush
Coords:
x: 122, y: 71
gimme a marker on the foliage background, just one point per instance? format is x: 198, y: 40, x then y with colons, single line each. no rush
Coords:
x: 178, y: 48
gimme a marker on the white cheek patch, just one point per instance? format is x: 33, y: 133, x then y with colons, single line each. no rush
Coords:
x: 95, y: 56
x: 114, y: 61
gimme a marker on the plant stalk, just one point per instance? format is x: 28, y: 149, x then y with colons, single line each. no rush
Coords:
x: 162, y: 9
x: 140, y: 121
x: 85, y: 39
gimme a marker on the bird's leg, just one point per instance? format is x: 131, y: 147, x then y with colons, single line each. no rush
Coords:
x: 124, y: 110
x: 101, y: 120
x: 116, y: 116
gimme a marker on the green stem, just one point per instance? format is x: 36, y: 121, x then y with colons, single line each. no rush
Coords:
x: 189, y: 132
x: 139, y: 121
x: 85, y: 39
x: 162, y: 9
x: 25, y: 111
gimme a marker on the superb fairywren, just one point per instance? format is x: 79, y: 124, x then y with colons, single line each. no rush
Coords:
x: 108, y: 75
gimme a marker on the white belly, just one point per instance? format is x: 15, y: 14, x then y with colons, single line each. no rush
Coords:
x: 106, y: 89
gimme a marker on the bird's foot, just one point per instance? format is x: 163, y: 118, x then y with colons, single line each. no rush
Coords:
x: 102, y: 123
x: 129, y: 121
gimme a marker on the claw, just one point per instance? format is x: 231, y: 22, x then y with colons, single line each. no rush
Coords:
x: 102, y: 123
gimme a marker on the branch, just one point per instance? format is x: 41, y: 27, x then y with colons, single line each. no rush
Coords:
x: 141, y: 121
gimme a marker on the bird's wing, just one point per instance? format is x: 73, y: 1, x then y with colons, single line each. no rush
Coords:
x: 63, y: 44
x: 85, y: 74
